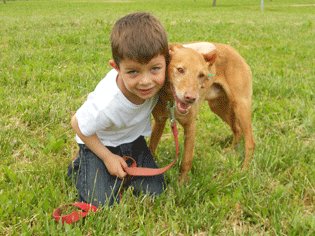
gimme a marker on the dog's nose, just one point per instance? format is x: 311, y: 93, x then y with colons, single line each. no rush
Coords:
x: 190, y: 97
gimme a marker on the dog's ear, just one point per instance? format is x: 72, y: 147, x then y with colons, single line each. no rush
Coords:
x: 207, y: 50
x: 210, y: 57
x: 173, y: 47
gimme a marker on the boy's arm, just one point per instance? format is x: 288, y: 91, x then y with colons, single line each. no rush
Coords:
x: 112, y: 162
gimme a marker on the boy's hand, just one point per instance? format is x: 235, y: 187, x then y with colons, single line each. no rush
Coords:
x: 115, y: 164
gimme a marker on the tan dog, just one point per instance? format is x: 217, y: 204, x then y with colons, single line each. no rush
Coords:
x: 189, y: 83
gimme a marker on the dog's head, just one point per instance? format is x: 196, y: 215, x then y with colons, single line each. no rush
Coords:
x: 187, y: 73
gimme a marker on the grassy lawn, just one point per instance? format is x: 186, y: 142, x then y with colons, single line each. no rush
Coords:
x: 53, y: 53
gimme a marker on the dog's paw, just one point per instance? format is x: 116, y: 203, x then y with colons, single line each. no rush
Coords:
x: 229, y: 150
x: 183, y: 178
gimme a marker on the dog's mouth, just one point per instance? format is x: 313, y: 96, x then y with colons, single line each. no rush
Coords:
x: 181, y: 107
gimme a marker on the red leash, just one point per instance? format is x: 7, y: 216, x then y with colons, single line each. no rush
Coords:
x: 133, y: 170
x: 74, y: 216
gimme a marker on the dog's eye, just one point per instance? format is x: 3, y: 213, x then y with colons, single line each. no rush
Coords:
x: 201, y: 76
x: 180, y: 70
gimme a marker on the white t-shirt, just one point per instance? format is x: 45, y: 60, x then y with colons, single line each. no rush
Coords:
x: 109, y: 114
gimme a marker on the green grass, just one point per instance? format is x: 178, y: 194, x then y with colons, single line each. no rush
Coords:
x: 53, y: 53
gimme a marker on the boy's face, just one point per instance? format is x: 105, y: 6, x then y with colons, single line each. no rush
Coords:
x: 139, y: 82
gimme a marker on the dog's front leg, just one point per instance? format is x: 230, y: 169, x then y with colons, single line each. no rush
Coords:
x: 157, y: 131
x: 189, y: 145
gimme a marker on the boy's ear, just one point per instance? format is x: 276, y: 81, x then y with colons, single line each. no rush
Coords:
x: 114, y: 65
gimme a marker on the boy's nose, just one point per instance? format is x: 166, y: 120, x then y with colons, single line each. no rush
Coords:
x: 145, y: 79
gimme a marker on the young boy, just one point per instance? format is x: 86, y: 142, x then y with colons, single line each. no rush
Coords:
x: 112, y: 122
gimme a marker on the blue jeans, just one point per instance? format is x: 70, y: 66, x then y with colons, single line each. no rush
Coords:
x: 98, y: 187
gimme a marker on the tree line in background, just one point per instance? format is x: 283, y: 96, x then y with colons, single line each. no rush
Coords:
x: 213, y: 4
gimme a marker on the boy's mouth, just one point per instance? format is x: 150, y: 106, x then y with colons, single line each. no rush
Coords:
x: 145, y: 91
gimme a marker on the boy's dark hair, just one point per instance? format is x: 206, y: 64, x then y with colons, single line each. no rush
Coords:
x: 139, y: 37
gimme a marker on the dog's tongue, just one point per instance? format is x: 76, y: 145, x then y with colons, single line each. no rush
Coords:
x: 182, y: 107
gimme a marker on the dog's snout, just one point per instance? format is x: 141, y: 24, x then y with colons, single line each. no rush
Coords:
x: 190, y: 97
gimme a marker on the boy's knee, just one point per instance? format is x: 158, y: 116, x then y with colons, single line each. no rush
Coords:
x: 151, y: 185
x: 100, y: 199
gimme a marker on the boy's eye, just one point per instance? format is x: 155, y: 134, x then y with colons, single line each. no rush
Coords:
x: 155, y: 68
x: 131, y: 72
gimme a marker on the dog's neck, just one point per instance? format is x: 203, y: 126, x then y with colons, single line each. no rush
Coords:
x: 165, y: 93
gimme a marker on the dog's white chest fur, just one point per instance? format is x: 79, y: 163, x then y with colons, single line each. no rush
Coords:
x: 214, y: 92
